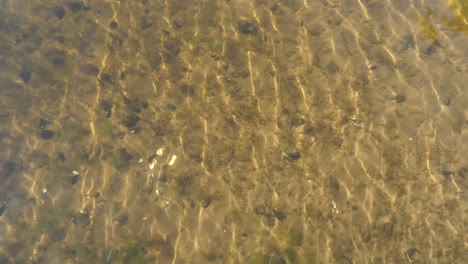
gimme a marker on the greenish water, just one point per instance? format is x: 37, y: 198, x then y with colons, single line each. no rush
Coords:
x: 240, y: 131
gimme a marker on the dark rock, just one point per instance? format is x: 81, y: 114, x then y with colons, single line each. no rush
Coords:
x: 61, y: 156
x: 131, y: 120
x: 105, y: 77
x: 82, y: 219
x: 113, y: 24
x: 373, y: 68
x: 297, y: 122
x: 25, y: 75
x: 399, y: 98
x: 163, y: 178
x: 293, y: 156
x: 106, y: 105
x: 122, y: 220
x: 74, y: 179
x: 279, y: 215
x: 47, y: 134
x: 58, y: 62
x: 59, y: 12
x: 247, y: 28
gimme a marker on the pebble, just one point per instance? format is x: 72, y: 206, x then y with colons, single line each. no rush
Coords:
x: 298, y: 122
x: 74, y: 179
x: 59, y: 12
x: 25, y: 75
x: 131, y: 120
x: 47, y: 134
x: 61, y: 156
x: 247, y: 28
x: 399, y: 98
x: 294, y: 156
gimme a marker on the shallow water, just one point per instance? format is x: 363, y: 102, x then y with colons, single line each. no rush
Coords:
x: 241, y: 131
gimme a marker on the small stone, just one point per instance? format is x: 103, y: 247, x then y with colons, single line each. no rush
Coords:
x: 47, y: 134
x: 59, y: 12
x: 399, y: 98
x: 293, y: 156
x: 106, y: 105
x: 105, y: 77
x: 82, y: 219
x: 131, y: 120
x: 25, y: 75
x: 247, y: 28
x: 74, y: 179
x: 122, y: 220
x: 298, y: 122
x: 163, y: 178
x: 279, y: 215
x: 113, y: 24
x: 58, y: 62
x: 61, y: 156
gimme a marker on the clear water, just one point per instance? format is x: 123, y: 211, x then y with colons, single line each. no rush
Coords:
x: 240, y: 131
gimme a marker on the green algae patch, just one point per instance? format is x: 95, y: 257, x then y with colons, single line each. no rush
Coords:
x: 427, y: 28
x: 459, y: 21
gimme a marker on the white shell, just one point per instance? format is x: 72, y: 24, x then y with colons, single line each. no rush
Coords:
x: 160, y: 151
x: 173, y: 159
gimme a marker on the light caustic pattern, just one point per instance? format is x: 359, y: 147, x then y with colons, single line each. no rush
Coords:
x: 246, y: 132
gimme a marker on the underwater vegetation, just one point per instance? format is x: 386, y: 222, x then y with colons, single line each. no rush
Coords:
x: 459, y: 21
x: 427, y: 28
